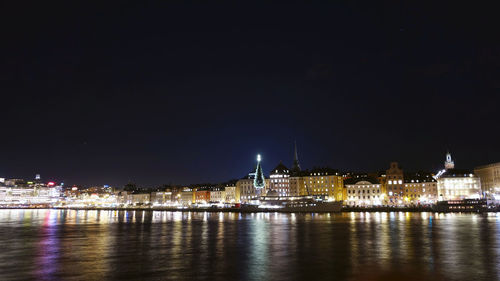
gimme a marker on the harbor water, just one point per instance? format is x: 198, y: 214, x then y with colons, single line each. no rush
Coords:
x: 49, y: 244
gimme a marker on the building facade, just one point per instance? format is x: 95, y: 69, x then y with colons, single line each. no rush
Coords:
x: 394, y: 181
x: 457, y: 184
x: 279, y: 180
x: 218, y: 195
x: 420, y: 189
x: 364, y: 192
x: 490, y: 179
x: 322, y: 182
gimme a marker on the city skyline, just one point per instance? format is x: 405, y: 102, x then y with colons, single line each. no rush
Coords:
x: 266, y: 172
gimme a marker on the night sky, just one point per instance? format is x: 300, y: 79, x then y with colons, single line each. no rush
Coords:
x: 187, y: 93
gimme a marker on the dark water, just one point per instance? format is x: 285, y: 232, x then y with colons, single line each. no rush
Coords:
x: 119, y: 245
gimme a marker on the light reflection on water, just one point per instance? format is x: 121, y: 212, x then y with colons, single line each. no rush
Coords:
x: 145, y: 245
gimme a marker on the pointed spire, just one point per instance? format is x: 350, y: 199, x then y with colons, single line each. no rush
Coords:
x: 449, y: 164
x: 296, y: 164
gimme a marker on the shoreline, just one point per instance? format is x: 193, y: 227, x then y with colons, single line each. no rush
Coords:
x: 238, y: 210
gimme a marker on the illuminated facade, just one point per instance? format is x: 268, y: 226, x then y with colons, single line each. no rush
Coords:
x: 218, y: 195
x: 490, y: 179
x: 232, y: 194
x: 186, y: 197
x: 279, y: 180
x: 324, y: 182
x: 161, y: 197
x: 202, y: 196
x: 394, y: 185
x: 458, y: 184
x: 454, y: 184
x: 420, y: 189
x: 19, y: 192
x: 364, y: 192
x: 247, y: 190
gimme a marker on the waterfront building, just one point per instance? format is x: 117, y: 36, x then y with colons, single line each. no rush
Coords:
x: 232, y: 194
x: 19, y: 192
x: 161, y: 197
x: 364, y: 192
x: 186, y: 197
x: 218, y: 195
x: 245, y: 185
x: 138, y: 198
x: 394, y: 185
x: 279, y: 180
x: 247, y: 190
x: 324, y: 182
x: 490, y: 179
x: 202, y: 195
x: 296, y: 183
x: 454, y: 184
x: 420, y: 189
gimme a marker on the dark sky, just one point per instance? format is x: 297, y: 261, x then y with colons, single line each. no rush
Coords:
x: 186, y: 93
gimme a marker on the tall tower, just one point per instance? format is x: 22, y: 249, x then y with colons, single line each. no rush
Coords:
x: 449, y: 164
x: 259, y: 180
x: 296, y: 164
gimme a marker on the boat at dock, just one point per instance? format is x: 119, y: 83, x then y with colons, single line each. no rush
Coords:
x: 464, y: 205
x: 293, y: 204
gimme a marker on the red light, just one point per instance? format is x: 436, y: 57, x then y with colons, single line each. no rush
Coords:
x: 51, y: 183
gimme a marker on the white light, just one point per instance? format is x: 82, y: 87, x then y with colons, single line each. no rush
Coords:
x: 258, y: 158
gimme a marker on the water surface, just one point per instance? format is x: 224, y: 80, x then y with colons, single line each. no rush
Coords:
x: 145, y: 245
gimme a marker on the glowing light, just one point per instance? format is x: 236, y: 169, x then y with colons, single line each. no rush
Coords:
x: 51, y: 183
x: 258, y: 157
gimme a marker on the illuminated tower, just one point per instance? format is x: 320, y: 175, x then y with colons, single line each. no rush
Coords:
x: 259, y: 181
x: 449, y: 164
x: 296, y: 164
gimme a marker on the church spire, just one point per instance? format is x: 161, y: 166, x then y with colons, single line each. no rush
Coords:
x: 449, y: 164
x: 296, y: 164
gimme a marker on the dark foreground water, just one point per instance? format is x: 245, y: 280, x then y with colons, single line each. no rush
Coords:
x: 143, y: 245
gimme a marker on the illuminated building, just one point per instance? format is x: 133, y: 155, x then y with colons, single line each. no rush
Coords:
x: 394, y: 185
x: 202, y: 195
x: 161, y: 197
x: 186, y: 197
x: 133, y: 198
x: 17, y: 191
x: 490, y: 179
x: 456, y: 184
x: 246, y: 188
x: 420, y: 189
x: 324, y: 182
x: 232, y: 194
x: 279, y: 180
x: 218, y: 195
x: 364, y: 192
